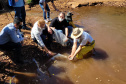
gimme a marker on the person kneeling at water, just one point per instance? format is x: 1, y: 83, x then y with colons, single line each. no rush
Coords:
x: 38, y: 34
x: 87, y: 43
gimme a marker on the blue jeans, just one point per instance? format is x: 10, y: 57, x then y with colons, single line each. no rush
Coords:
x: 70, y: 28
x: 20, y: 12
x: 44, y: 13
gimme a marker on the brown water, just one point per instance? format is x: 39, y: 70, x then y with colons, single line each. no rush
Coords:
x: 107, y: 25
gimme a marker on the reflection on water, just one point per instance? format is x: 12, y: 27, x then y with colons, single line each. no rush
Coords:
x: 108, y: 66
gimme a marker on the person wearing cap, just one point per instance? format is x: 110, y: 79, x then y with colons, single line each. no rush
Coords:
x: 38, y: 34
x: 11, y: 39
x: 61, y: 24
x: 43, y: 4
x: 87, y: 43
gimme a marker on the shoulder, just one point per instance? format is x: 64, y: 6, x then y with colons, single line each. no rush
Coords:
x: 65, y: 20
x: 10, y: 27
x: 54, y: 20
x: 35, y: 27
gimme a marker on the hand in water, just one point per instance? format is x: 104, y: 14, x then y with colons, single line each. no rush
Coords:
x: 70, y: 57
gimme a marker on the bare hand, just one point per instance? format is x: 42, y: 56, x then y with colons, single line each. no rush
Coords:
x: 49, y: 30
x: 70, y: 57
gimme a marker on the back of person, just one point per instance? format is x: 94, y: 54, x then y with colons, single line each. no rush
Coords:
x: 86, y: 38
x: 4, y: 34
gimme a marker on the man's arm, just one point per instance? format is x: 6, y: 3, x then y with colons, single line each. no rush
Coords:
x: 74, y: 48
x: 74, y: 51
x: 77, y: 51
x: 66, y: 31
x: 49, y: 28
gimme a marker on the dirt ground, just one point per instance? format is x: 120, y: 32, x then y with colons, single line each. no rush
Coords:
x: 30, y: 49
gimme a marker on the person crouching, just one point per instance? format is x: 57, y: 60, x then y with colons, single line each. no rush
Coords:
x: 87, y: 43
x: 38, y: 34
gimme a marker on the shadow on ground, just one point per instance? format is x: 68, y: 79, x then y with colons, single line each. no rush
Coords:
x: 33, y: 72
x: 100, y: 54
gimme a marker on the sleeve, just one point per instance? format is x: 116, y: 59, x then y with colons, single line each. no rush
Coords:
x: 13, y: 36
x: 84, y: 41
x: 39, y: 39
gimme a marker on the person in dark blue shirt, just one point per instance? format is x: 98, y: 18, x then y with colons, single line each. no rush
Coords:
x: 11, y: 39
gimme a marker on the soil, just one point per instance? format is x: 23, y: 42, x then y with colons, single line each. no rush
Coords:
x: 30, y: 49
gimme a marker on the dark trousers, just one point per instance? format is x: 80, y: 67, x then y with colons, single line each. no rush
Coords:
x: 13, y: 46
x: 20, y: 12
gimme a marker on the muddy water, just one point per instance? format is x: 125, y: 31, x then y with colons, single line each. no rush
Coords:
x: 107, y: 25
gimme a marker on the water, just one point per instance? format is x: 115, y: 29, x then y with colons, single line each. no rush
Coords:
x: 107, y: 25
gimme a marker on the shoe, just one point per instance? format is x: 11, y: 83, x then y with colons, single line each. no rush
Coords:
x: 46, y: 21
x: 25, y: 28
x: 49, y: 19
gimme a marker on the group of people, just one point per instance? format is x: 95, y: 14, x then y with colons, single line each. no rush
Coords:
x: 41, y: 33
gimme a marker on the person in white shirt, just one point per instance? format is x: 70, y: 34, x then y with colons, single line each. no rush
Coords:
x: 36, y: 34
x: 87, y: 43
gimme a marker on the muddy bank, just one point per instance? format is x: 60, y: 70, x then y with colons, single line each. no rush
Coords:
x: 79, y: 3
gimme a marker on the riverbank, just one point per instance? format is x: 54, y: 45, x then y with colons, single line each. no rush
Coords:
x: 118, y: 3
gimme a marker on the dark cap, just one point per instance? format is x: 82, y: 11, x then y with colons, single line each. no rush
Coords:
x: 17, y: 20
